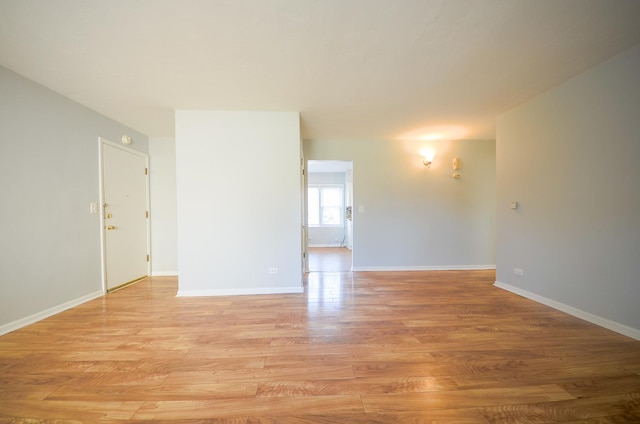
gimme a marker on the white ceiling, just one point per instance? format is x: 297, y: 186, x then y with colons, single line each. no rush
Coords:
x: 354, y: 69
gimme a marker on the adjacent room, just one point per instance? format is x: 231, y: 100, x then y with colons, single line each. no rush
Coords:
x: 329, y: 211
x: 277, y: 211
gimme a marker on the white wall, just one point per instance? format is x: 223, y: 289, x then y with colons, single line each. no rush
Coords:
x: 414, y: 217
x: 164, y: 228
x: 49, y: 240
x: 239, y: 202
x: 569, y: 157
x: 327, y: 236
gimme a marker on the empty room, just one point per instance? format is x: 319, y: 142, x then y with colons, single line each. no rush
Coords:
x: 310, y: 211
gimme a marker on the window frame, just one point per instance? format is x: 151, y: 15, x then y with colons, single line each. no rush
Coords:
x: 320, y: 188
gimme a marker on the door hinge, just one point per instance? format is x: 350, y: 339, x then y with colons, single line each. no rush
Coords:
x: 147, y: 258
x: 146, y: 171
x: 147, y: 214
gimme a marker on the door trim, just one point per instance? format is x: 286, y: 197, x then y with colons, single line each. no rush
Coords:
x: 103, y: 245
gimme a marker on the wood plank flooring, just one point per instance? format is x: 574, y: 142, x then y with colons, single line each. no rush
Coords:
x: 329, y: 259
x: 410, y: 347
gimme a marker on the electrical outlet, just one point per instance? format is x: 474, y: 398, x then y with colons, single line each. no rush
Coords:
x: 273, y: 270
x: 518, y: 271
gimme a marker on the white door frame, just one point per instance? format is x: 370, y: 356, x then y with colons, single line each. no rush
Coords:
x: 305, y: 224
x: 103, y: 244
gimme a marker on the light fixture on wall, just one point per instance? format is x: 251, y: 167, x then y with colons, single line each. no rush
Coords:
x: 427, y: 153
x: 126, y: 140
x: 428, y: 156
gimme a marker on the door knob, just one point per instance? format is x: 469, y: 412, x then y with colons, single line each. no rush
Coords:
x: 109, y: 216
x: 111, y: 227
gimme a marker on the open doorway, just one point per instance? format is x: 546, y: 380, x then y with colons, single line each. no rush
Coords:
x: 329, y: 215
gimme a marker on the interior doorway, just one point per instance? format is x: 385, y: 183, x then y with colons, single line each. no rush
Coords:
x: 329, y: 213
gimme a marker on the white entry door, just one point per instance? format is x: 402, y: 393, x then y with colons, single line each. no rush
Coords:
x: 125, y: 214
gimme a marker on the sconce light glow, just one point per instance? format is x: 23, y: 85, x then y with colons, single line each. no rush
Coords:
x: 428, y: 155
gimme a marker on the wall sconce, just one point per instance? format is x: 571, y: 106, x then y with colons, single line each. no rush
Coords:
x: 428, y: 156
x: 126, y: 140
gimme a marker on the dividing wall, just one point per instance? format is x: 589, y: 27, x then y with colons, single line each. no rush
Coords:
x: 239, y: 195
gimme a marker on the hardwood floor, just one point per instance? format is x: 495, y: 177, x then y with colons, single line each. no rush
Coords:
x: 329, y: 259
x: 416, y: 347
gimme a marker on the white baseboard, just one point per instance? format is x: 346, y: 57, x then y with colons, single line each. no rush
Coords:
x: 594, y: 319
x: 235, y: 292
x: 423, y: 268
x: 38, y: 316
x: 327, y: 245
x: 164, y: 273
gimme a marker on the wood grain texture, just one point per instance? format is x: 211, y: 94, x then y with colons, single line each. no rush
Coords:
x: 365, y: 347
x: 329, y: 259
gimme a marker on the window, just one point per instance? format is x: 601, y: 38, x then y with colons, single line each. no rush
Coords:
x: 325, y: 206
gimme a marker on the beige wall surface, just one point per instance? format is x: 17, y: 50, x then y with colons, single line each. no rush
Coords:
x: 569, y: 157
x: 164, y: 225
x: 407, y: 216
x: 50, y: 249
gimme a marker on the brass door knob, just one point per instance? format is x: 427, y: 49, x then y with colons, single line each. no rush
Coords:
x: 111, y: 227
